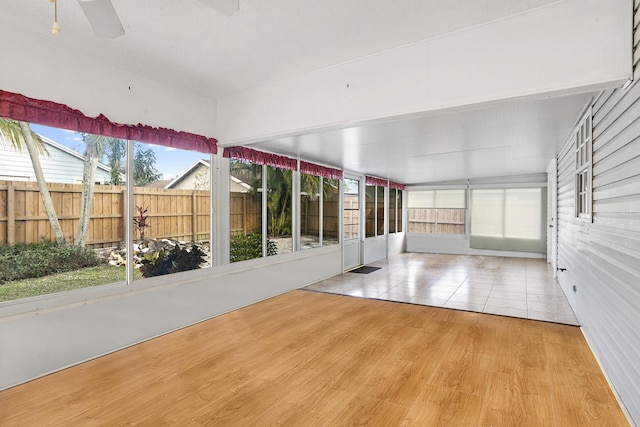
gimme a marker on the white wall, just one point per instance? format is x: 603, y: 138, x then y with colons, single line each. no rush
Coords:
x: 50, y: 333
x: 374, y: 249
x: 602, y: 258
x: 457, y: 245
x: 54, y: 73
x: 396, y: 243
x: 545, y: 51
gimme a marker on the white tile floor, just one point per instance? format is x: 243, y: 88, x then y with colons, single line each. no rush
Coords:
x: 517, y: 287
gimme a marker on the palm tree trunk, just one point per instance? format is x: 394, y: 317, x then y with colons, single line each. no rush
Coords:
x: 42, y: 184
x: 88, y: 178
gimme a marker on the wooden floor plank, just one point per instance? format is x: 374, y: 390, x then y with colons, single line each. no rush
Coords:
x: 312, y: 359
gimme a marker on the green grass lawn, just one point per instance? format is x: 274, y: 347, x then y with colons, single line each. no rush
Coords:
x: 84, y: 278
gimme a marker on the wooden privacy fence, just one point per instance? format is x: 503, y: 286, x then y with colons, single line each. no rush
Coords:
x: 176, y: 214
x: 441, y: 221
x: 172, y: 213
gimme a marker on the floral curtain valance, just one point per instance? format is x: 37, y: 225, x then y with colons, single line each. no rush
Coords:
x: 396, y: 185
x: 323, y: 171
x: 371, y: 180
x: 260, y: 157
x: 19, y: 107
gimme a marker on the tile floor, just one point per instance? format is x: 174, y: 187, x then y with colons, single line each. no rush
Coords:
x: 517, y: 287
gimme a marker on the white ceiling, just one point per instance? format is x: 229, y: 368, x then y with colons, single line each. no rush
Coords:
x: 185, y: 44
x: 514, y: 138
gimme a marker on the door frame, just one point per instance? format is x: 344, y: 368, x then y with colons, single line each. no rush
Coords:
x: 352, y: 249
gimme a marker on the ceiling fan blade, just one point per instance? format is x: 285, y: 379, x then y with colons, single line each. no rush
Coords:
x: 226, y: 7
x: 102, y: 17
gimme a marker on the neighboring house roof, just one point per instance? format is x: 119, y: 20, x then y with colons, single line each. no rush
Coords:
x: 159, y: 184
x: 187, y: 173
x: 237, y: 186
x: 68, y: 150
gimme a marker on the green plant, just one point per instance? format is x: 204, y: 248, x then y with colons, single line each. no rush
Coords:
x: 24, y: 261
x: 250, y: 247
x: 177, y: 259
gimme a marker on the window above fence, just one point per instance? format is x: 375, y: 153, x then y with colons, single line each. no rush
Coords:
x: 437, y: 211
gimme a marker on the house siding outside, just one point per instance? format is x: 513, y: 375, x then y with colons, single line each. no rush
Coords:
x: 61, y: 165
x: 602, y: 256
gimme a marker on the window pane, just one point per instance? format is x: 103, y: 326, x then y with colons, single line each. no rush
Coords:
x: 450, y: 221
x: 279, y: 195
x: 370, y: 210
x: 245, y: 210
x: 422, y: 220
x: 85, y: 262
x: 523, y: 213
x: 451, y: 199
x: 171, y: 208
x: 351, y: 209
x: 392, y: 210
x: 422, y: 199
x: 330, y: 211
x: 380, y: 210
x: 309, y: 211
x: 399, y: 210
x: 487, y: 213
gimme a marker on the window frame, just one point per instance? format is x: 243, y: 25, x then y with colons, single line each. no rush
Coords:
x: 436, y: 209
x: 582, y: 143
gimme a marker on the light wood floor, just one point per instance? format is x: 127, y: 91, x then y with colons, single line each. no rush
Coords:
x: 313, y: 359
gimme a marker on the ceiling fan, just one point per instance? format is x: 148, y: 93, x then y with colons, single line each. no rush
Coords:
x: 105, y: 22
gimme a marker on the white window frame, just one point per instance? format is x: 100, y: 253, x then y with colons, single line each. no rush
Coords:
x: 436, y: 209
x: 582, y: 142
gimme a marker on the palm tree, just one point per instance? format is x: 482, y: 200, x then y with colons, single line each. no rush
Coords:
x: 93, y: 153
x: 20, y: 136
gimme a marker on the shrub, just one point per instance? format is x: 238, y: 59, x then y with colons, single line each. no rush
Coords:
x: 250, y: 247
x: 180, y: 258
x: 23, y: 261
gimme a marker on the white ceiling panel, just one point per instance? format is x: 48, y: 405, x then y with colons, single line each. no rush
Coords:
x: 507, y: 139
x: 193, y: 46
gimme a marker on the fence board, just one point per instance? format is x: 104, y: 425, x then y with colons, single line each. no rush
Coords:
x: 176, y: 214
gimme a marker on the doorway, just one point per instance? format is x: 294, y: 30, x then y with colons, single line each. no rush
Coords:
x: 351, y: 214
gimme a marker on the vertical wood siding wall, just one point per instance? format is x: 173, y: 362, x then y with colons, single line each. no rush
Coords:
x: 602, y: 257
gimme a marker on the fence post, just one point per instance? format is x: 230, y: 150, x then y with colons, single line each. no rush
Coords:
x: 11, y: 214
x: 194, y: 217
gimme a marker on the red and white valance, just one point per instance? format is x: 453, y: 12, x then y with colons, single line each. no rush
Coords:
x: 260, y: 157
x: 371, y: 180
x: 19, y: 107
x: 396, y: 185
x: 323, y: 171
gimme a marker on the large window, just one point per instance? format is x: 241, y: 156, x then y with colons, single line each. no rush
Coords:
x: 399, y: 211
x: 245, y: 210
x: 393, y: 208
x: 508, y: 219
x: 374, y: 210
x: 279, y: 215
x: 310, y: 211
x: 330, y: 211
x: 437, y: 211
x: 171, y: 210
x: 582, y: 142
x: 81, y: 178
